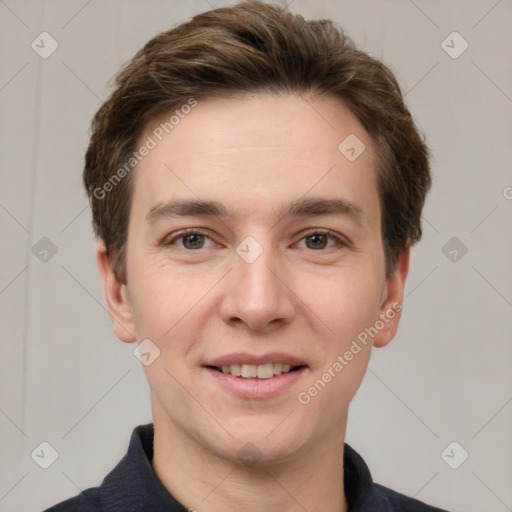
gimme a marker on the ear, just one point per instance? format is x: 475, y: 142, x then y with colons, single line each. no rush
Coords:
x: 116, y: 297
x: 392, y: 298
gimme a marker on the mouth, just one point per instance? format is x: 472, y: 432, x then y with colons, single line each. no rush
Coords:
x: 256, y: 371
x: 251, y: 376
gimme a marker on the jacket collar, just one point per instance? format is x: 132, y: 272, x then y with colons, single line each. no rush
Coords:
x: 133, y: 485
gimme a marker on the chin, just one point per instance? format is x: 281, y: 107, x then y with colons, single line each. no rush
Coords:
x: 256, y: 453
x: 265, y: 442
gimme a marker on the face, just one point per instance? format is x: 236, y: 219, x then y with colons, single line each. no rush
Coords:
x: 254, y: 247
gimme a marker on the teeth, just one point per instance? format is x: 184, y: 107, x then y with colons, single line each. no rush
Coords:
x: 265, y: 371
x: 249, y: 371
x: 252, y: 371
x: 236, y: 369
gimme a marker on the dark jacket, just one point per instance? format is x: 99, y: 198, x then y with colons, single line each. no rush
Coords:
x: 132, y: 486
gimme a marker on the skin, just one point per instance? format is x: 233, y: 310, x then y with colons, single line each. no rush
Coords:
x: 254, y: 154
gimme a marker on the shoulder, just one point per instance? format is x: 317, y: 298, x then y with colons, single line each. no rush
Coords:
x: 87, y: 501
x: 400, y: 503
x: 364, y: 495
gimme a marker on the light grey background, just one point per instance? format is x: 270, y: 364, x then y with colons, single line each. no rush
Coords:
x: 66, y: 379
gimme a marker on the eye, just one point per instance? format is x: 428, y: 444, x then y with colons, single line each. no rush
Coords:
x: 194, y: 239
x: 191, y: 239
x: 321, y: 239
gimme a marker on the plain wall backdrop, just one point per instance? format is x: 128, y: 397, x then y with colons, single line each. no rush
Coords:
x: 65, y: 378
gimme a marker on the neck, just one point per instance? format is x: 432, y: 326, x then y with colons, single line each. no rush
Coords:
x: 201, y: 480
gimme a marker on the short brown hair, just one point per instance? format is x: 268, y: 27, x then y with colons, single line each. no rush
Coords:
x: 251, y: 47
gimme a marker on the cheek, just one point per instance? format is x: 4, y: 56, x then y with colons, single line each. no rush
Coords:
x: 347, y: 306
x: 170, y: 306
x: 158, y: 302
x: 347, y: 302
x: 344, y: 305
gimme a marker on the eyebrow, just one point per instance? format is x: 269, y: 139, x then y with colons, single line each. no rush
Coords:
x: 298, y: 208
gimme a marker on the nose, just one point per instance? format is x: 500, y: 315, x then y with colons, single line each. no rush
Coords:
x: 257, y: 293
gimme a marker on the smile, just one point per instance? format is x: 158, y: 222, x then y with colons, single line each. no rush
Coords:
x: 256, y: 371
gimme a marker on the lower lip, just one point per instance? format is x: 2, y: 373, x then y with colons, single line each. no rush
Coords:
x: 257, y: 388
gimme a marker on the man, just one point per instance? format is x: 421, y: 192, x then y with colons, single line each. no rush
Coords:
x: 256, y: 183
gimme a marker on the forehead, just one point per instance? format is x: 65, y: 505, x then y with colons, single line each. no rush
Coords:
x: 263, y: 149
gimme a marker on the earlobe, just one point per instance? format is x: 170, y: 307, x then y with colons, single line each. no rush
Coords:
x: 116, y: 297
x: 393, y: 294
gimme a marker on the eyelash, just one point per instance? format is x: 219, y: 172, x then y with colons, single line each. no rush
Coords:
x: 197, y: 231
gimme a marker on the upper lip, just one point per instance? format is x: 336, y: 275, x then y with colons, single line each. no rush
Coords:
x: 256, y: 359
